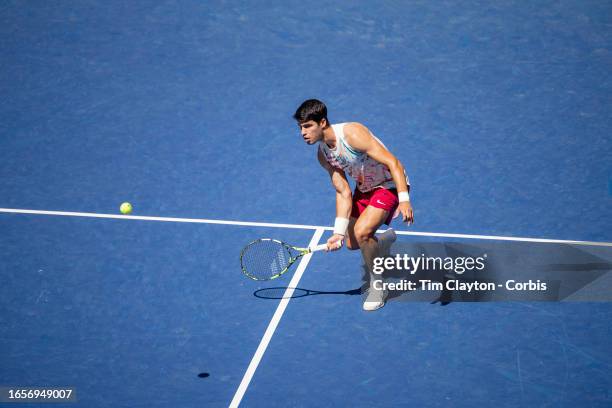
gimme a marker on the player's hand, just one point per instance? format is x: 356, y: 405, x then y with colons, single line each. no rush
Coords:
x: 335, y: 242
x: 407, y: 213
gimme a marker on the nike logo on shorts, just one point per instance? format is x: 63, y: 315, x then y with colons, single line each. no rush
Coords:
x: 380, y: 202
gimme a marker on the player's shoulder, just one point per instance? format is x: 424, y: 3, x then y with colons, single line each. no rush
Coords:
x: 355, y: 127
x: 356, y: 134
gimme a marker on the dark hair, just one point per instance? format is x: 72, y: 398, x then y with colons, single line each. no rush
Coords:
x: 311, y: 109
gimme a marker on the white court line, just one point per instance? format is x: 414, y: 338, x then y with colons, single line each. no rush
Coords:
x: 502, y: 238
x: 294, y: 226
x: 280, y: 309
x: 162, y: 219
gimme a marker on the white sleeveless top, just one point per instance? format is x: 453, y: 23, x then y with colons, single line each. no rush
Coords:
x: 367, y: 172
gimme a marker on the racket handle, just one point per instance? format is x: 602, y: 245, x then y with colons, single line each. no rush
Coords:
x: 321, y: 247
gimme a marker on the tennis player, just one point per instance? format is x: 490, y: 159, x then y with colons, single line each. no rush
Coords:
x: 381, y: 185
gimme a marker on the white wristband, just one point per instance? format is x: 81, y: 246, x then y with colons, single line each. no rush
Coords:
x: 341, y: 225
x: 403, y: 197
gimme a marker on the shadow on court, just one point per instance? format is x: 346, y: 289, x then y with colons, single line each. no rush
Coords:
x: 281, y: 292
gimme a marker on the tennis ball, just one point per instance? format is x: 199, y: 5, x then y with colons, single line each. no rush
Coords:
x: 125, y: 208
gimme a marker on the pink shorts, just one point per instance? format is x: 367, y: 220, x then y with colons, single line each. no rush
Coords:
x: 379, y: 197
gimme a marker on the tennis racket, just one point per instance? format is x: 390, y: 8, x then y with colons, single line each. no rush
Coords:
x: 265, y: 259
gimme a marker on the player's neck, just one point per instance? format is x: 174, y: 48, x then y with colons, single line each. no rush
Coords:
x: 329, y: 137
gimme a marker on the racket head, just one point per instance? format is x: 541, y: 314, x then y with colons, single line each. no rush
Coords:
x: 267, y: 258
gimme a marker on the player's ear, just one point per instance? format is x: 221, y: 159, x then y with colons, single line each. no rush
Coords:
x: 324, y: 123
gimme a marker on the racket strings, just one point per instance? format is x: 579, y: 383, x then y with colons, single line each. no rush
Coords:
x: 265, y: 259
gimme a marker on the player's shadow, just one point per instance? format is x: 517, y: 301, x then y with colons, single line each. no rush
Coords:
x: 285, y: 292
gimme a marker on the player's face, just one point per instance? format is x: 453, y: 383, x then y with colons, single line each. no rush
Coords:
x: 311, y: 131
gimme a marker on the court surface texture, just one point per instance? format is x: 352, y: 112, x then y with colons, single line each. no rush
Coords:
x: 501, y: 113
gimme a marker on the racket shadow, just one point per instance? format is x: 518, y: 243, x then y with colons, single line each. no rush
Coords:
x: 282, y: 292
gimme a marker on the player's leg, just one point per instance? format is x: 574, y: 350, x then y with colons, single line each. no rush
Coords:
x: 361, y: 201
x: 363, y: 232
x: 383, y: 204
x: 351, y: 240
x: 365, y: 228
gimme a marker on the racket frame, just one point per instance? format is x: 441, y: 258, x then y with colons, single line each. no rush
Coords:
x: 292, y: 259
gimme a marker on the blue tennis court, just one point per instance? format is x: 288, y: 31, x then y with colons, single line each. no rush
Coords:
x: 501, y: 113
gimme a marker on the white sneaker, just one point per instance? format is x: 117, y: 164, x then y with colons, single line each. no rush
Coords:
x: 385, y: 240
x: 375, y: 299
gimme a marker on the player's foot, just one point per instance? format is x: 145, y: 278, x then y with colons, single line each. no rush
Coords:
x: 385, y: 240
x: 375, y: 299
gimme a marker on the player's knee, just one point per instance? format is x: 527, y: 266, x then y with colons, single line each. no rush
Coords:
x: 362, y: 234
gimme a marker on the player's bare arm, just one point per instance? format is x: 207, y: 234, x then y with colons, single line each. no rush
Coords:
x: 343, y: 198
x: 361, y: 139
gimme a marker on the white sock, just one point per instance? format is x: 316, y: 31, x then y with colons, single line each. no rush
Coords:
x: 385, y: 240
